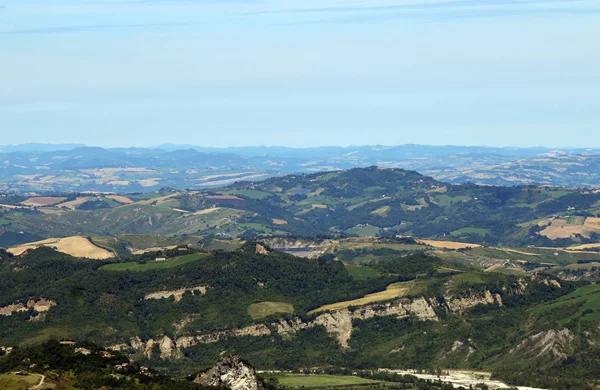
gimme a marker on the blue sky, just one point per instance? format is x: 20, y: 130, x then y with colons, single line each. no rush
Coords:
x: 300, y: 72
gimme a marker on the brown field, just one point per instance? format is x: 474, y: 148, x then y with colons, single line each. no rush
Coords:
x: 120, y: 199
x: 394, y: 290
x: 72, y: 205
x: 223, y: 197
x: 75, y: 246
x: 448, y: 244
x: 44, y: 201
x: 560, y: 228
x: 279, y: 222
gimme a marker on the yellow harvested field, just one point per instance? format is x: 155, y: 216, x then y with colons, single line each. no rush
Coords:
x: 75, y: 246
x: 448, y: 244
x: 118, y: 183
x: 11, y: 206
x: 394, y: 290
x: 44, y: 201
x: 154, y: 249
x: 159, y: 200
x: 592, y: 223
x: 583, y: 247
x: 120, y: 199
x: 207, y: 211
x: 312, y: 207
x: 318, y: 191
x: 518, y: 251
x: 279, y: 222
x: 383, y: 211
x: 149, y: 182
x: 72, y: 205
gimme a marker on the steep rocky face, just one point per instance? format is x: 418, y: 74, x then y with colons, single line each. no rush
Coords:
x: 460, y: 305
x: 339, y: 323
x: 261, y: 250
x: 231, y: 372
x: 554, y: 343
x: 41, y: 305
x: 177, y: 294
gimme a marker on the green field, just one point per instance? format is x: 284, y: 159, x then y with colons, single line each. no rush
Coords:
x: 151, y: 265
x: 585, y: 301
x: 364, y: 230
x: 265, y: 309
x: 315, y: 381
x: 252, y: 194
x: 18, y: 382
x: 361, y: 273
x: 471, y: 230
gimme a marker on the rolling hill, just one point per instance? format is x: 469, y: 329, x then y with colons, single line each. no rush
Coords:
x: 357, y: 202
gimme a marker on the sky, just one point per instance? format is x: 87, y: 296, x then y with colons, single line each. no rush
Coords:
x: 300, y: 72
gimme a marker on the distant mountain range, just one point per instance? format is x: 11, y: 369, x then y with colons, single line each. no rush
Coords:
x: 46, y: 168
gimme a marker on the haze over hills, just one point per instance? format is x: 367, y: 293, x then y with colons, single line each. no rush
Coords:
x: 46, y: 168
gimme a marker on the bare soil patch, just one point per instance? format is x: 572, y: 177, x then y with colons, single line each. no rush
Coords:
x: 394, y: 290
x: 44, y: 201
x: 72, y: 205
x: 75, y: 246
x: 448, y: 244
x: 120, y: 199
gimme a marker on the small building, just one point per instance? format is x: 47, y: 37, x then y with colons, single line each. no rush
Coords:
x: 68, y: 342
x: 160, y: 259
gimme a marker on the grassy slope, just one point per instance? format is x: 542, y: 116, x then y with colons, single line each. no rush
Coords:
x: 312, y: 381
x: 265, y: 309
x: 152, y: 265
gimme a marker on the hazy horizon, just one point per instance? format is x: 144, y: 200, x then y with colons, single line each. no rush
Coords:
x: 183, y: 146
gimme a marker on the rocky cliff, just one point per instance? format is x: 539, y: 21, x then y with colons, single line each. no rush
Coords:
x: 231, y: 372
